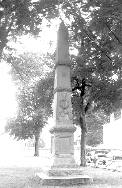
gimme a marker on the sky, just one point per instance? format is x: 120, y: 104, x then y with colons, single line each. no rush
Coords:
x: 112, y: 133
x: 46, y: 42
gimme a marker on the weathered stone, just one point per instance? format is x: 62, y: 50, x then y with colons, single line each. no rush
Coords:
x: 62, y: 52
x: 64, y: 170
x: 63, y: 128
x: 63, y: 180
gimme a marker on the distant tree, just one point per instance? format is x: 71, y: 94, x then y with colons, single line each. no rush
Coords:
x: 30, y: 72
x: 33, y: 111
x: 33, y: 79
x: 95, y: 122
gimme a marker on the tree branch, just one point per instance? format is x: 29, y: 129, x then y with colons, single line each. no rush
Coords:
x: 97, y: 46
x: 80, y: 16
x: 87, y: 107
x: 113, y: 34
x: 15, y: 68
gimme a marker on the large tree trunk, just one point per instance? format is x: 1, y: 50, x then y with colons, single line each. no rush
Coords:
x: 83, y: 148
x: 83, y: 140
x: 37, y: 136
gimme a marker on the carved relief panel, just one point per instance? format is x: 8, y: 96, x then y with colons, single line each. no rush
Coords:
x: 64, y: 112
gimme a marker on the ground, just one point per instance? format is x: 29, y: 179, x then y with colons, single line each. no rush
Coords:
x: 22, y: 177
x: 18, y: 167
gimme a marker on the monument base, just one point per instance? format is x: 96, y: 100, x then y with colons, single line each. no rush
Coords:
x: 63, y: 177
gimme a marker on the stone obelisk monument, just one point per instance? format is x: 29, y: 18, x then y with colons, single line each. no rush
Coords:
x: 63, y: 170
x: 63, y: 129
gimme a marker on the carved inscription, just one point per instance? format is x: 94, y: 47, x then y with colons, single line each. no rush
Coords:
x: 63, y: 145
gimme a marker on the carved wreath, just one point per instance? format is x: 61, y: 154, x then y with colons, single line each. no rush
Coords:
x: 64, y: 103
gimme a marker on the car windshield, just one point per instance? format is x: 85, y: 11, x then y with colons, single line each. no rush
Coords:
x: 101, y: 151
x: 101, y: 155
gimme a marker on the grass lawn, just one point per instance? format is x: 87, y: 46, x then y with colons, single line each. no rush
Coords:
x: 17, y: 177
x: 18, y: 167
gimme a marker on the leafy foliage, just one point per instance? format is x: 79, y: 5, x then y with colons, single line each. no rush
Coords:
x: 17, y: 17
x: 98, y: 59
x: 95, y: 122
x: 33, y: 111
x: 95, y: 31
x: 29, y: 67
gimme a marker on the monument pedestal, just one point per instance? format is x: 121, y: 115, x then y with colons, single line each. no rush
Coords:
x: 63, y: 171
x: 63, y: 146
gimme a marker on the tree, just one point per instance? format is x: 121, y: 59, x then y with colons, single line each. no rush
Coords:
x: 34, y: 110
x: 34, y: 95
x: 29, y: 67
x: 17, y: 17
x: 23, y: 17
x: 97, y: 62
x: 28, y: 70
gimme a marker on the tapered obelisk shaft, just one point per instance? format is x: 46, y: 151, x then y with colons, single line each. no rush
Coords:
x: 62, y: 51
x: 63, y: 129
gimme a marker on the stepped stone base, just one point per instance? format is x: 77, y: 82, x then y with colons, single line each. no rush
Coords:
x: 63, y: 177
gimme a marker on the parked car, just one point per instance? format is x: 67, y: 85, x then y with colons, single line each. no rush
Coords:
x: 116, y: 154
x: 101, y: 157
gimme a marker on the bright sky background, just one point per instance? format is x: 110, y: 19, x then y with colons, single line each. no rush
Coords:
x: 112, y: 133
x: 46, y: 42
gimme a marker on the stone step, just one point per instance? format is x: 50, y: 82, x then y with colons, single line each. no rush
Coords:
x: 45, y: 180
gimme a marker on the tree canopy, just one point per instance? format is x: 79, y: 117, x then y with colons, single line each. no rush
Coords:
x: 95, y: 29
